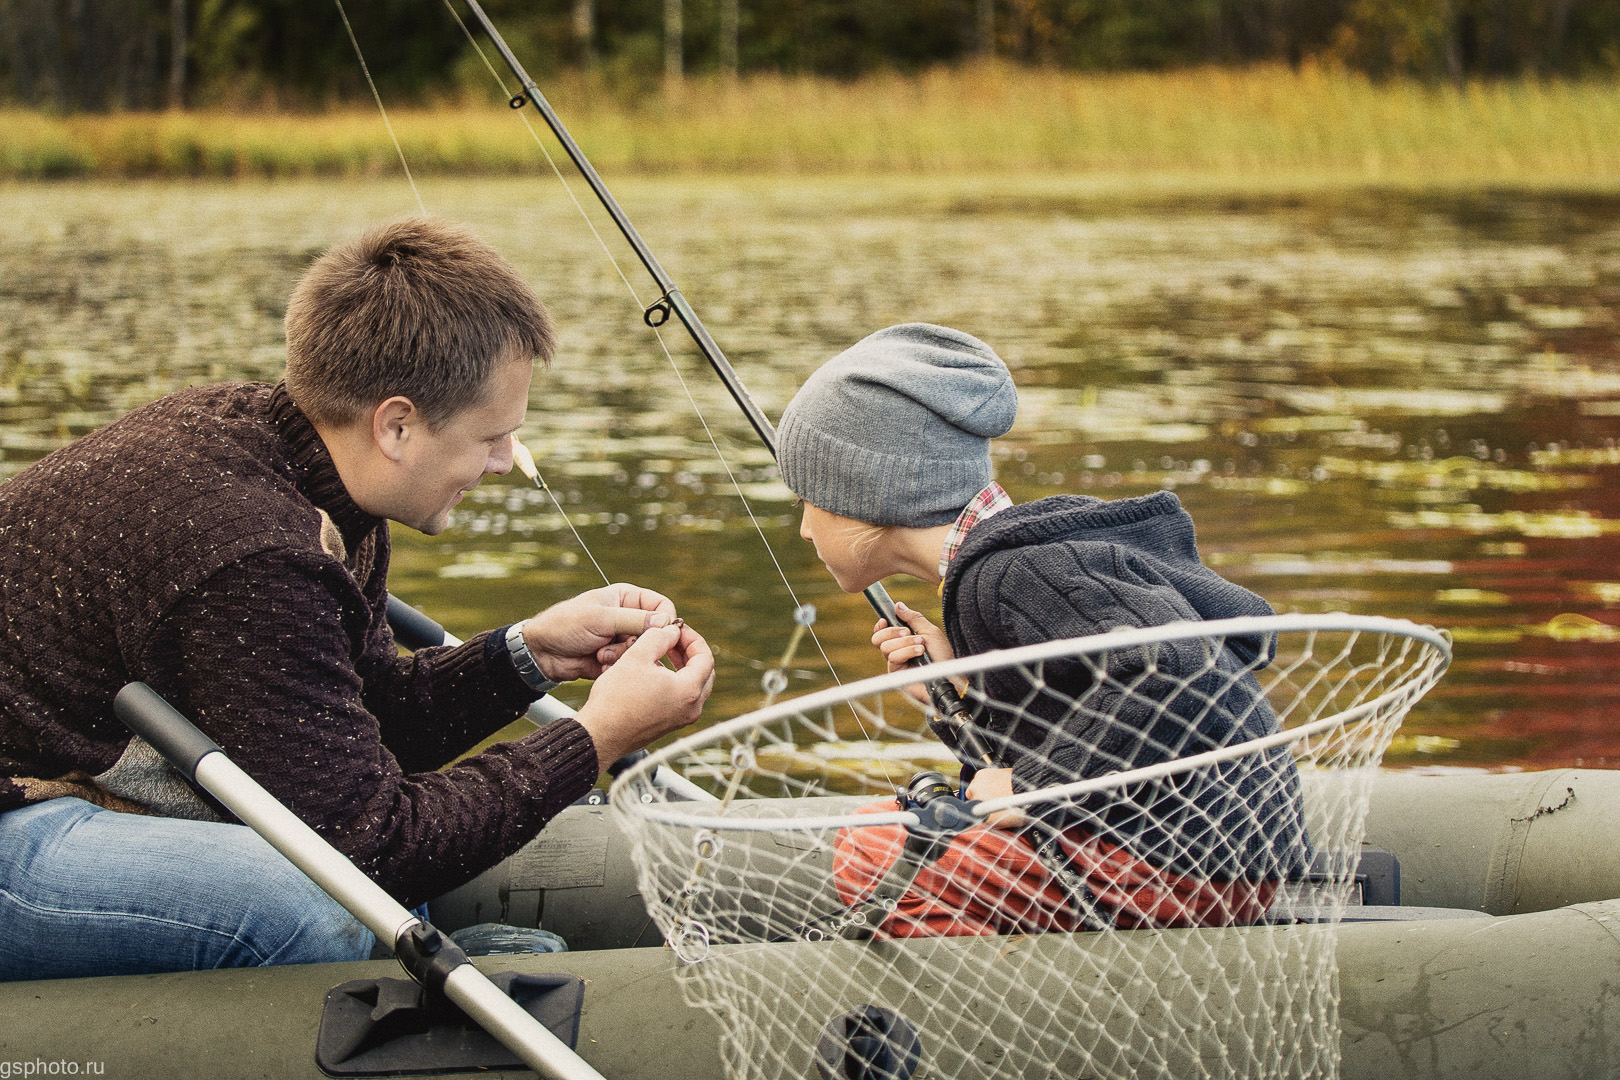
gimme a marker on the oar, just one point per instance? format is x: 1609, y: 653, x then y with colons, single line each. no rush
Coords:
x: 415, y: 630
x: 431, y: 958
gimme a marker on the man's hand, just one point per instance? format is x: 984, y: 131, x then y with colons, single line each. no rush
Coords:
x: 638, y: 700
x: 582, y: 637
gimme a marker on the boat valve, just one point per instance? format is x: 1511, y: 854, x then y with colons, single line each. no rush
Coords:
x: 870, y: 1042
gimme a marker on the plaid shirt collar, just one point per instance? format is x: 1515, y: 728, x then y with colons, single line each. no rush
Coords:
x: 992, y: 500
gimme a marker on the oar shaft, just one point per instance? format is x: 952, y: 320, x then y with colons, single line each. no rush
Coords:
x: 514, y: 1028
x: 191, y: 752
x: 303, y: 847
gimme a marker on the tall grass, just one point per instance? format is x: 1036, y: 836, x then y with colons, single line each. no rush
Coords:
x: 1256, y: 124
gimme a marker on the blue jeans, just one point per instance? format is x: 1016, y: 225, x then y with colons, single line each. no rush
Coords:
x: 86, y: 891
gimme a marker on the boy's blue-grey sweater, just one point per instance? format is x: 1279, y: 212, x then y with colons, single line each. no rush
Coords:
x: 1071, y: 565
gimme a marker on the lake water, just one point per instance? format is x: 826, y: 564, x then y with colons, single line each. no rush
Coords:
x: 1376, y: 403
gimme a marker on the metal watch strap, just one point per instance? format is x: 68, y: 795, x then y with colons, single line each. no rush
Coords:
x: 523, y: 660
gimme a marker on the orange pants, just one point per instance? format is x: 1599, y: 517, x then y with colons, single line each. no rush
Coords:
x: 989, y: 881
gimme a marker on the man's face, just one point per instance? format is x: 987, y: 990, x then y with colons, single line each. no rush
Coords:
x: 442, y: 466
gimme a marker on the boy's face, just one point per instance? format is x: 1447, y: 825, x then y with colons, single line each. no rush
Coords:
x: 442, y: 466
x: 845, y: 545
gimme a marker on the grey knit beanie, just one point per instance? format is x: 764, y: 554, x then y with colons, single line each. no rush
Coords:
x: 896, y: 429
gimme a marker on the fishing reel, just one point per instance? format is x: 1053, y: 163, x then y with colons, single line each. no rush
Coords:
x: 941, y: 812
x: 941, y: 817
x: 923, y: 789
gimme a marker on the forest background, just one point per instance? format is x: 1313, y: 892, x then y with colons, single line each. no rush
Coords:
x: 1519, y: 89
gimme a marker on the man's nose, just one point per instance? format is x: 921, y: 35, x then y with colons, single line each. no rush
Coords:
x: 500, y: 461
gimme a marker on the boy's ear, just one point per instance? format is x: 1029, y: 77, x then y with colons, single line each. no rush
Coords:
x: 393, y: 423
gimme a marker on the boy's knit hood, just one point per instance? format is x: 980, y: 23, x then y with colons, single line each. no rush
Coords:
x: 1153, y: 530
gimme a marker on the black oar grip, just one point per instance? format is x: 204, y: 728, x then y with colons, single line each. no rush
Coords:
x: 411, y: 628
x: 156, y: 721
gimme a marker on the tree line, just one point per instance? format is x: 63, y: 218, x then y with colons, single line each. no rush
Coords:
x: 86, y: 55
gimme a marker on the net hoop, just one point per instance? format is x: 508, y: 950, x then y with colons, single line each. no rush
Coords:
x: 1168, y: 908
x: 709, y: 815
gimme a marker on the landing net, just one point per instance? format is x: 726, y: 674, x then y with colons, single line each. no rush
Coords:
x: 1158, y: 897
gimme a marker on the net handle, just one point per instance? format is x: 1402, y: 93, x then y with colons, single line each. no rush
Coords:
x: 1428, y: 673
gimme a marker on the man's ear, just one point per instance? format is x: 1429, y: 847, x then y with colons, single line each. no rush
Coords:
x: 394, y: 423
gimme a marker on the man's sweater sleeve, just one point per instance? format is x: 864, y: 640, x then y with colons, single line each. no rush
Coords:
x: 435, y: 703
x: 271, y: 678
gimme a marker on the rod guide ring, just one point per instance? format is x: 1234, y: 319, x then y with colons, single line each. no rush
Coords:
x: 659, y: 313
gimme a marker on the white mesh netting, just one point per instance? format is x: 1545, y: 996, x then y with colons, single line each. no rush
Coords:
x: 1157, y: 898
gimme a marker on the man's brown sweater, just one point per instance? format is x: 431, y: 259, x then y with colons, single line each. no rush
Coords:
x: 206, y: 545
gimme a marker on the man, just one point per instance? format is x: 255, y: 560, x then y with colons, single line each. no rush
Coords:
x: 228, y: 545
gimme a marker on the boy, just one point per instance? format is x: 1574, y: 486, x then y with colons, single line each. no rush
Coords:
x: 888, y: 445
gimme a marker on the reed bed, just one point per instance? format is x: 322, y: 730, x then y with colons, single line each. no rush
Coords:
x: 1240, y: 125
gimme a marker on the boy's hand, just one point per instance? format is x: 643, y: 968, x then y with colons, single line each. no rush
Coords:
x: 901, y: 644
x: 993, y: 784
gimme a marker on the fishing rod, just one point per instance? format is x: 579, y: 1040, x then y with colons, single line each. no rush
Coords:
x: 954, y: 729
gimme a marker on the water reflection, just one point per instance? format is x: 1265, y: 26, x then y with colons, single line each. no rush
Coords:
x: 1396, y: 405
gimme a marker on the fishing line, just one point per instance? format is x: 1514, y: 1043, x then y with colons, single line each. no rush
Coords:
x: 541, y: 481
x: 531, y: 471
x: 378, y: 99
x: 525, y: 463
x: 634, y: 296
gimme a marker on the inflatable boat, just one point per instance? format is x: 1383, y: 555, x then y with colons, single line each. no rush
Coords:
x: 1488, y: 946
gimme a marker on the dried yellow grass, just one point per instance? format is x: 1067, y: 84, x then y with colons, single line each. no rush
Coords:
x: 1257, y: 125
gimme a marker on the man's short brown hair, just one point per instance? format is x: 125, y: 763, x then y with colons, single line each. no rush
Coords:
x: 417, y: 307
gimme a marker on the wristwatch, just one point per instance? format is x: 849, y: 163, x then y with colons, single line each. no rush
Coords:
x: 523, y: 660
